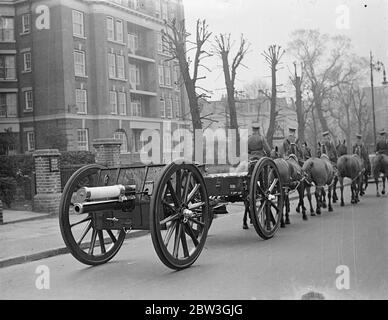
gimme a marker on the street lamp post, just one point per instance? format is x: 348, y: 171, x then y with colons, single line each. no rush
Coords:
x: 375, y: 66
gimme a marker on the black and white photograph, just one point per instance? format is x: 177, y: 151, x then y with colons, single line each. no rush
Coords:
x: 195, y: 154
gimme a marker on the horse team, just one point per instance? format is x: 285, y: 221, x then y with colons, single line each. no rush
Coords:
x: 300, y: 172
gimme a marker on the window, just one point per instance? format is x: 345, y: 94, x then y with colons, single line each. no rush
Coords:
x: 26, y: 23
x: 119, y: 31
x: 82, y: 139
x: 28, y: 100
x: 120, y: 67
x: 122, y: 103
x: 176, y: 77
x: 133, y: 42
x: 111, y: 65
x: 110, y: 28
x: 113, y: 102
x: 167, y: 76
x: 124, y: 142
x: 7, y: 67
x: 78, y: 23
x: 162, y: 107
x: 8, y: 105
x: 81, y: 101
x: 136, y: 107
x: 30, y: 141
x: 7, y: 29
x: 161, y: 75
x: 79, y: 63
x: 134, y: 74
x: 27, y: 61
x: 168, y: 107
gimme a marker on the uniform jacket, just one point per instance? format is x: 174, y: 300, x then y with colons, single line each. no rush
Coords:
x: 331, y: 151
x: 382, y: 146
x: 258, y: 146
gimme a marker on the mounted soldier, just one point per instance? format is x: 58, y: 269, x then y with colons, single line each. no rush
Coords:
x: 382, y: 143
x: 257, y: 144
x: 331, y: 150
x: 288, y: 141
x: 364, y: 152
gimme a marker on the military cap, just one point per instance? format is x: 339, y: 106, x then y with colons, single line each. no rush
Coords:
x: 291, y: 129
x: 255, y: 125
x: 326, y: 133
x: 359, y: 135
x: 382, y: 132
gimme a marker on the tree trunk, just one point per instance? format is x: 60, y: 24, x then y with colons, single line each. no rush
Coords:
x: 272, y: 119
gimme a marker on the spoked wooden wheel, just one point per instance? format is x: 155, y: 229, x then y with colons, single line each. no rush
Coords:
x: 179, y: 215
x: 266, y: 198
x: 84, y: 241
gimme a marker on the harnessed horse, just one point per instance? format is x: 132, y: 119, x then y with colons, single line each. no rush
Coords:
x: 380, y: 165
x: 352, y: 167
x: 320, y: 172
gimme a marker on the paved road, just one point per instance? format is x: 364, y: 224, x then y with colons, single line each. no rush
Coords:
x: 236, y: 263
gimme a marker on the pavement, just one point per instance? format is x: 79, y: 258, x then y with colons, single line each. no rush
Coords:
x: 29, y: 236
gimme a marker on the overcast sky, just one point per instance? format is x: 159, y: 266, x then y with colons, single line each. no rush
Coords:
x: 266, y: 22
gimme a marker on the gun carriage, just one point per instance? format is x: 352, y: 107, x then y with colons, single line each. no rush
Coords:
x: 176, y: 202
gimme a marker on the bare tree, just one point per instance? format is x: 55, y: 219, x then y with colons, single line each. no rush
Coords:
x: 175, y: 42
x: 326, y: 66
x: 273, y: 56
x: 223, y: 47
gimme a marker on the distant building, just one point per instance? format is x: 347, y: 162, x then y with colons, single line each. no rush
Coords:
x: 249, y: 111
x: 86, y: 69
x: 381, y: 106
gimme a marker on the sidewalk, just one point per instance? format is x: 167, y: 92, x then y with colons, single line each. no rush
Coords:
x: 29, y: 236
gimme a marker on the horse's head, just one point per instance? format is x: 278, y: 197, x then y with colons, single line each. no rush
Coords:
x: 275, y: 153
x: 341, y: 148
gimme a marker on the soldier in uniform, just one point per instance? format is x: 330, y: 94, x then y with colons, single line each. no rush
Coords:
x: 288, y: 141
x: 364, y: 152
x: 382, y: 143
x: 331, y: 151
x: 257, y: 144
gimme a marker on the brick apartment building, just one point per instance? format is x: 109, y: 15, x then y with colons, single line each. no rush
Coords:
x: 86, y: 69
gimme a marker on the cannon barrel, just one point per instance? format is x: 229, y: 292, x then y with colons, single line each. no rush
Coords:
x: 114, y: 197
x: 103, y: 193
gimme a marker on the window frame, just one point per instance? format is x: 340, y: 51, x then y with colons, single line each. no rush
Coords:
x: 82, y: 53
x: 5, y: 68
x: 25, y: 54
x: 120, y: 75
x: 122, y: 97
x: 30, y: 134
x: 108, y: 31
x: 85, y: 102
x: 115, y: 110
x: 3, y: 31
x: 26, y: 27
x: 112, y: 67
x: 80, y: 23
x: 28, y: 100
x: 83, y: 145
x: 119, y: 22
